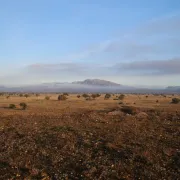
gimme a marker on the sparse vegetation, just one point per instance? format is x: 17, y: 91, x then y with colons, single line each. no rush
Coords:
x: 78, y: 96
x: 89, y: 139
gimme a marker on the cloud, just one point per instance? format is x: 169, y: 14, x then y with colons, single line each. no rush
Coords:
x: 160, y: 67
x: 155, y: 67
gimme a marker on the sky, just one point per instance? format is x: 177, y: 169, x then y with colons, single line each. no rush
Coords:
x: 125, y: 41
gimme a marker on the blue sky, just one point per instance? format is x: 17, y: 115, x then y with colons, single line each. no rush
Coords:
x: 125, y: 41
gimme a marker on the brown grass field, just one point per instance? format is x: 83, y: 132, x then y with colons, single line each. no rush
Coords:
x: 95, y: 139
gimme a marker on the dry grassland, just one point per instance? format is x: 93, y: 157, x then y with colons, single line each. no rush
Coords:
x: 90, y: 139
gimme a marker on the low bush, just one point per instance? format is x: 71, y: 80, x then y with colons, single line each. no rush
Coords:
x: 85, y: 95
x: 175, y: 100
x: 26, y: 95
x: 62, y: 97
x: 47, y: 98
x: 23, y: 105
x: 95, y: 95
x: 129, y: 110
x: 12, y: 106
x: 107, y: 96
x: 121, y: 97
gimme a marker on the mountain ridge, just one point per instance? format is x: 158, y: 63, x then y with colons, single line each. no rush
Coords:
x: 97, y: 82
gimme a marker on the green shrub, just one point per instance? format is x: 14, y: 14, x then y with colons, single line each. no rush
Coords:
x: 175, y: 100
x: 23, y: 105
x: 85, y: 95
x: 65, y: 94
x: 47, y: 98
x: 12, y: 106
x: 95, y: 95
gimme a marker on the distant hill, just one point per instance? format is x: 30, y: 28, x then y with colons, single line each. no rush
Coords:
x: 173, y: 88
x: 87, y: 86
x: 96, y: 82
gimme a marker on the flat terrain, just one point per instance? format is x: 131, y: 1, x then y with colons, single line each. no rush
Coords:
x: 90, y: 139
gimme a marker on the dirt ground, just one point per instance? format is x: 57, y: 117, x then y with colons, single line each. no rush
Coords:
x: 90, y: 139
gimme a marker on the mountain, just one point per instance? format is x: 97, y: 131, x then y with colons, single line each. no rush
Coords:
x: 96, y: 82
x: 88, y: 86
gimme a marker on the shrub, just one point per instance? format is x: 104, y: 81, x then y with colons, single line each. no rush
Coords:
x: 12, y: 106
x: 26, y: 95
x: 37, y: 95
x: 85, y: 95
x: 175, y: 100
x: 78, y: 96
x: 95, y: 95
x: 20, y: 95
x: 157, y: 101
x: 47, y: 98
x: 65, y: 94
x: 129, y: 110
x: 121, y: 97
x: 62, y: 97
x: 7, y: 97
x: 23, y: 105
x: 107, y: 96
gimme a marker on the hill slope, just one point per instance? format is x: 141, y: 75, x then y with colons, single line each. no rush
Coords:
x: 97, y: 82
